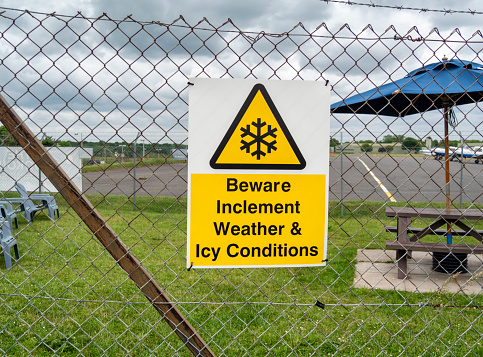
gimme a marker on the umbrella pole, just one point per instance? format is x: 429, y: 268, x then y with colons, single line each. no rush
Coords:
x: 449, y: 236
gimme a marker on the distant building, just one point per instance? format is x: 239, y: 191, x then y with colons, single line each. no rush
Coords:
x: 86, y: 153
x: 179, y: 154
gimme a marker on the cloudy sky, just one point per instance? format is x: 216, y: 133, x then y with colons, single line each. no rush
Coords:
x: 273, y: 15
x: 362, y: 66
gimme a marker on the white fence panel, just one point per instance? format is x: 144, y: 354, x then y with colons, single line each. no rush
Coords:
x: 16, y: 165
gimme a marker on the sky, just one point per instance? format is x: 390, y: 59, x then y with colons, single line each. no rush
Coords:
x: 271, y: 17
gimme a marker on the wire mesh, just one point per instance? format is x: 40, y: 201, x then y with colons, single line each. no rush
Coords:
x: 116, y: 90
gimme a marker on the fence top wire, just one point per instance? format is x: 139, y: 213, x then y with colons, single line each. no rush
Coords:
x: 298, y: 30
x: 401, y: 7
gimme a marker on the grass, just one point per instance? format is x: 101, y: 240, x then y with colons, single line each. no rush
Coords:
x: 90, y: 307
x: 113, y: 164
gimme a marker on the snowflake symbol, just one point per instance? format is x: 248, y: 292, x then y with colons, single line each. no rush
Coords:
x: 258, y: 139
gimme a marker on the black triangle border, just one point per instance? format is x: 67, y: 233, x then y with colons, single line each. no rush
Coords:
x: 258, y: 87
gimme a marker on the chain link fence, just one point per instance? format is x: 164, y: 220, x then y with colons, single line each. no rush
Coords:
x: 119, y: 88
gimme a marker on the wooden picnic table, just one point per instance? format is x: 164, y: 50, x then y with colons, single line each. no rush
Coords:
x: 408, y: 238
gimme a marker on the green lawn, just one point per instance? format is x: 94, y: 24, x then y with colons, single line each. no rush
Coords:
x: 66, y: 295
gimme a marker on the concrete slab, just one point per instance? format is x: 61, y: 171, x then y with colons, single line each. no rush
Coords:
x: 376, y: 269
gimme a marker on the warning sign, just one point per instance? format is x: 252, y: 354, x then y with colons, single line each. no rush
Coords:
x: 258, y: 138
x: 258, y: 173
x: 255, y: 220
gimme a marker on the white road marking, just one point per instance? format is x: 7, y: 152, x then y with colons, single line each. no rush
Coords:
x: 378, y: 182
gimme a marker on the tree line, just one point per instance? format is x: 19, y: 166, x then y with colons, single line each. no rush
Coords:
x: 101, y: 148
x: 409, y: 143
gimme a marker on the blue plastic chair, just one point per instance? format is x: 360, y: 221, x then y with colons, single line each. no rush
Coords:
x: 7, y: 212
x: 29, y: 207
x: 7, y: 241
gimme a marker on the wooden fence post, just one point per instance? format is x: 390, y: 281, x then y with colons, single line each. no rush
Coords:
x: 89, y: 215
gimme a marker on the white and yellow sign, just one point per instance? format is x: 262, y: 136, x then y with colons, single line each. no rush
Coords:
x: 258, y: 173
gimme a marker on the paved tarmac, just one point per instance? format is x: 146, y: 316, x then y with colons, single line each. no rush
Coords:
x: 377, y: 269
x: 165, y: 180
x: 400, y: 179
x: 404, y: 178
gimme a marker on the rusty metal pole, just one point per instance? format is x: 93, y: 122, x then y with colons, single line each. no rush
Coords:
x: 89, y: 215
x: 446, y: 155
x: 446, y: 109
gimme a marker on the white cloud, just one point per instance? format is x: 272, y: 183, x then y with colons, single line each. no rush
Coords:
x: 272, y: 15
x: 351, y: 65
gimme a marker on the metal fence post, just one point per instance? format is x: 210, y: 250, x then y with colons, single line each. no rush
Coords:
x: 341, y: 179
x: 134, y: 171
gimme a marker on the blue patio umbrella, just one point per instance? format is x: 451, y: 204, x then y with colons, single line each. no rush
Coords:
x: 437, y: 85
x: 434, y: 86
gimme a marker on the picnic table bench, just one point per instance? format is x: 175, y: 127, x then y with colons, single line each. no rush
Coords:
x: 408, y: 237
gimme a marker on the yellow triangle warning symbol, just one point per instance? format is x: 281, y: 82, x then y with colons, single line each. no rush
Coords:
x: 258, y: 138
